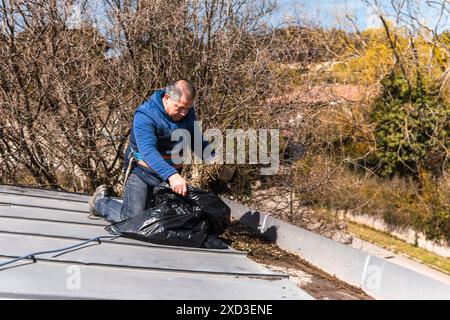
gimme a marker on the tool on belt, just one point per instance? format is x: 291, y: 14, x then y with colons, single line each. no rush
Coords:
x: 131, y: 163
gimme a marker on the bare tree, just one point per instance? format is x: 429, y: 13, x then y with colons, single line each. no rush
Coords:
x: 70, y: 80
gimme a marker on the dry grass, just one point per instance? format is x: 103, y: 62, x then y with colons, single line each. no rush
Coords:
x: 396, y: 245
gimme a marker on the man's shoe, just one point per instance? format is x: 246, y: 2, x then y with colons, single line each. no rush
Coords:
x: 101, y: 192
x: 213, y: 242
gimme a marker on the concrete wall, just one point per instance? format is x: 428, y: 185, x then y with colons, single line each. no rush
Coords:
x: 407, y: 234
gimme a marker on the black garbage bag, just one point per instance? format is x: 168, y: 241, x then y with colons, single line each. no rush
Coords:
x: 216, y: 210
x: 177, y: 220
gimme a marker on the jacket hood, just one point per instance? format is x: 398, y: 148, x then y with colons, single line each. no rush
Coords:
x: 156, y: 99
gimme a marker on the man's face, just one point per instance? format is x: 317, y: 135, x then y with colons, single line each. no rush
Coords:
x: 177, y: 109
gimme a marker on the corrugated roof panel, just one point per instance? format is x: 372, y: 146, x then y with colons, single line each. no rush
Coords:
x: 39, y: 220
x: 51, y: 279
x: 132, y: 256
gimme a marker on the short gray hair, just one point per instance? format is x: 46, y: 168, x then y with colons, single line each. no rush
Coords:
x: 179, y: 87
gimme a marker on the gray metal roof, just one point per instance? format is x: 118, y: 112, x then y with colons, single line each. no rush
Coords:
x: 33, y: 220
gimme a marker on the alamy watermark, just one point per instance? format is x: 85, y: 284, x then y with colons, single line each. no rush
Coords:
x: 73, y: 281
x: 233, y: 146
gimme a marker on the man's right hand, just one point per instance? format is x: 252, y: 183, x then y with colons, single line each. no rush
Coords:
x: 178, y: 184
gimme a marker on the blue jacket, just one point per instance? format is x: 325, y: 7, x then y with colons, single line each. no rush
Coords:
x: 151, y: 135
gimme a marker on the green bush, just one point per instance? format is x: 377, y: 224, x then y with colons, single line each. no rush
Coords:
x: 411, y: 129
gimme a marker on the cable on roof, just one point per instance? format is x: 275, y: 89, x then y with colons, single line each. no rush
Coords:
x: 34, y: 254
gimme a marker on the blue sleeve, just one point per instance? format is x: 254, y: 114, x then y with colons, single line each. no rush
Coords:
x: 145, y: 132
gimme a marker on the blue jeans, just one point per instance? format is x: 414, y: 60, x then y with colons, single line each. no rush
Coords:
x: 138, y: 197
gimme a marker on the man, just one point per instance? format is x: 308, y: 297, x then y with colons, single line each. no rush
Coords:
x: 150, y: 150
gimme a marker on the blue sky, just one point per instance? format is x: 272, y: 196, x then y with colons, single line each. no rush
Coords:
x: 328, y: 11
x: 331, y: 13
